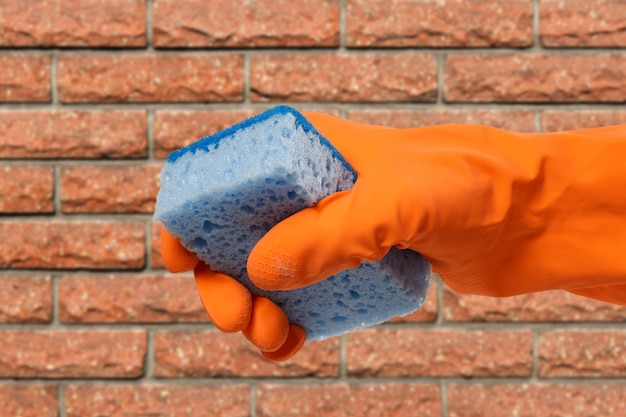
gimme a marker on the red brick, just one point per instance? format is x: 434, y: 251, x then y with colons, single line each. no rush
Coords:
x: 73, y: 134
x: 241, y: 23
x: 32, y: 400
x: 72, y: 354
x: 600, y: 23
x: 518, y: 120
x: 344, y: 77
x: 72, y: 245
x: 129, y: 299
x: 548, y: 306
x: 109, y: 189
x: 25, y: 299
x: 443, y: 353
x: 25, y: 78
x: 150, y: 78
x: 439, y: 23
x: 176, y: 129
x: 157, y: 400
x: 426, y: 313
x: 348, y: 400
x: 560, y: 120
x: 210, y: 353
x: 535, y: 78
x: 26, y: 189
x: 531, y: 400
x: 73, y: 23
x: 582, y: 353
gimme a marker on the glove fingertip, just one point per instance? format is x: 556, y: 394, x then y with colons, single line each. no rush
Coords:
x: 268, y: 327
x: 293, y: 344
x: 271, y: 265
x: 176, y: 258
x: 227, y: 302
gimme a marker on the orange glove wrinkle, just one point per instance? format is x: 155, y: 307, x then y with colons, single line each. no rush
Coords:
x: 615, y: 294
x: 227, y: 302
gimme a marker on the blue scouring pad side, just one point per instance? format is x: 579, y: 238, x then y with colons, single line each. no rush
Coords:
x: 221, y: 194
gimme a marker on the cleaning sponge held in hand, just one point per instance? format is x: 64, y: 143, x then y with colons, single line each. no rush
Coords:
x: 221, y: 194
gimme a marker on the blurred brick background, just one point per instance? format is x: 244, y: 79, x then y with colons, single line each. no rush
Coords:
x: 95, y: 93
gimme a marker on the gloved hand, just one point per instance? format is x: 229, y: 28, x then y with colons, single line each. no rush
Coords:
x: 495, y: 213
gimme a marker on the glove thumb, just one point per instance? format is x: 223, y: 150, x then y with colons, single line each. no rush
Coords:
x: 337, y: 233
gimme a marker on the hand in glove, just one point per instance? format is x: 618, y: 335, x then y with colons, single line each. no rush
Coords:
x: 496, y: 213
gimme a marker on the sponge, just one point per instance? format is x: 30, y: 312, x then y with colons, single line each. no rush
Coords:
x: 221, y: 194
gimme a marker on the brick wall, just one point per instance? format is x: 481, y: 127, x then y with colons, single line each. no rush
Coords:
x: 93, y: 96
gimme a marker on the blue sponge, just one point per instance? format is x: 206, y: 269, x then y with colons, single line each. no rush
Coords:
x: 221, y: 194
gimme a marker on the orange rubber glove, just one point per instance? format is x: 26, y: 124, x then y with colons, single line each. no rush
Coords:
x: 496, y: 213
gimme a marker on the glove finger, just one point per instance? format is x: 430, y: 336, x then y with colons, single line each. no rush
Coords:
x: 337, y: 233
x: 268, y: 327
x: 176, y: 258
x: 293, y: 344
x: 227, y: 302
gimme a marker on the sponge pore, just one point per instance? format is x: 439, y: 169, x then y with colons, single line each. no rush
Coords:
x: 221, y: 194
